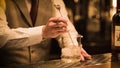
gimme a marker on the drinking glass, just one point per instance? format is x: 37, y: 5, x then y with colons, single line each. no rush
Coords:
x: 72, y: 53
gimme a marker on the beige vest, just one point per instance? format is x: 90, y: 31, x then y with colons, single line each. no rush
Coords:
x: 18, y: 16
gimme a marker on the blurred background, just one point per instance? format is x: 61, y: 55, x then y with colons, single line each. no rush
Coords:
x: 92, y: 19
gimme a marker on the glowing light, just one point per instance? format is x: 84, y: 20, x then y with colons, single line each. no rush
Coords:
x: 114, y: 3
x: 113, y: 9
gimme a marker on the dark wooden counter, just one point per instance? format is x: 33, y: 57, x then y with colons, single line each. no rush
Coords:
x: 98, y: 61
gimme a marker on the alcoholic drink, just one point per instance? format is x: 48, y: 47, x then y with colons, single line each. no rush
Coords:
x: 71, y: 53
x: 116, y: 34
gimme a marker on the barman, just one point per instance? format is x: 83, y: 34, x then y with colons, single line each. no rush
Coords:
x: 25, y: 35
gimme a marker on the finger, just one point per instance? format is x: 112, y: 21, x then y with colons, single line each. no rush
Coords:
x: 85, y: 54
x: 59, y: 31
x: 62, y: 19
x: 61, y: 24
x: 57, y: 25
x: 53, y: 19
x: 61, y: 28
x: 82, y: 57
x: 58, y: 19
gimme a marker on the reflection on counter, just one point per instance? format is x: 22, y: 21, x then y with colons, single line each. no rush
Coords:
x: 98, y: 61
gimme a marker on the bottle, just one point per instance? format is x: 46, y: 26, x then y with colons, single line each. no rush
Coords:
x: 116, y: 34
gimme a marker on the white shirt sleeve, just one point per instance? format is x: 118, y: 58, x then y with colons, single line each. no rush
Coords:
x: 34, y: 34
x: 20, y: 37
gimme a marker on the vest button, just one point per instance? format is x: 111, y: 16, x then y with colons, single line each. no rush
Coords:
x: 32, y: 51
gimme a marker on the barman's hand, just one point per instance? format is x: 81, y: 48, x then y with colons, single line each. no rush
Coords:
x: 84, y: 55
x: 55, y: 27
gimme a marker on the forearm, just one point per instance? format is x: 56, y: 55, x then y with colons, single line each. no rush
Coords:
x: 20, y: 37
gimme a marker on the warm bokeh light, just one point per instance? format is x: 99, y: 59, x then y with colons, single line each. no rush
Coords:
x: 76, y: 1
x: 113, y: 9
x: 114, y: 3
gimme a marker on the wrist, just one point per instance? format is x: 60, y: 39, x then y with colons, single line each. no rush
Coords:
x: 43, y: 33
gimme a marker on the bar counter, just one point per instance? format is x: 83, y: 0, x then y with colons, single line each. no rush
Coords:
x: 97, y: 61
